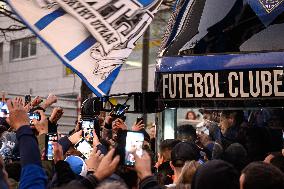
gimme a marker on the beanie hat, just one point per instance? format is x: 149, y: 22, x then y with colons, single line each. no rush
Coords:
x: 77, y: 165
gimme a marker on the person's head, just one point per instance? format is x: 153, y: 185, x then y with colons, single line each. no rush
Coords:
x: 236, y: 154
x: 215, y: 174
x: 186, y: 133
x: 191, y: 115
x: 230, y: 118
x: 260, y: 175
x: 182, y: 152
x: 166, y: 147
x: 187, y: 172
x: 152, y: 130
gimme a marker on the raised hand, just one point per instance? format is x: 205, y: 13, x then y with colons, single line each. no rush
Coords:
x: 58, y: 152
x: 143, y: 165
x: 107, y: 166
x: 18, y: 115
x: 138, y: 126
x: 56, y: 115
x: 94, y: 160
x: 75, y: 137
x: 96, y: 140
x: 42, y: 125
x: 118, y: 124
x: 36, y: 101
x: 51, y: 99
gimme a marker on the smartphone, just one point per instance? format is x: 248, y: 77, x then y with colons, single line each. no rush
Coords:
x: 139, y: 119
x: 27, y: 99
x: 33, y: 115
x: 50, y: 138
x: 133, y: 144
x: 88, y: 128
x: 84, y: 147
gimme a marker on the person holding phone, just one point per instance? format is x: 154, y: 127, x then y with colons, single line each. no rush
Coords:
x: 29, y: 151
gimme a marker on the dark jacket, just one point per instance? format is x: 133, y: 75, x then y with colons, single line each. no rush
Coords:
x: 32, y: 175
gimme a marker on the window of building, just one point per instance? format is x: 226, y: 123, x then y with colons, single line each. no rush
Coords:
x: 1, y: 53
x: 23, y: 48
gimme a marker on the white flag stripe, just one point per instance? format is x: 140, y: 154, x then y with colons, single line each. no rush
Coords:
x: 68, y: 38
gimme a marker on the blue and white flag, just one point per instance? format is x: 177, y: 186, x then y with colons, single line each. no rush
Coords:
x: 92, y: 37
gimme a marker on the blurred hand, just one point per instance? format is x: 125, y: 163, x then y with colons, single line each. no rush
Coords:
x: 94, y: 160
x: 36, y: 101
x: 18, y: 115
x: 75, y: 137
x: 109, y: 119
x: 118, y: 124
x: 58, y: 152
x: 138, y: 126
x: 78, y: 124
x: 107, y: 166
x: 42, y: 125
x: 143, y: 165
x: 28, y: 107
x: 160, y: 160
x: 96, y: 140
x: 56, y: 115
x: 51, y: 99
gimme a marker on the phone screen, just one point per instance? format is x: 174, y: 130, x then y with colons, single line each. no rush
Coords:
x: 27, y: 99
x: 50, y: 138
x: 134, y: 144
x: 33, y: 115
x: 88, y: 128
x: 139, y: 119
x: 84, y: 147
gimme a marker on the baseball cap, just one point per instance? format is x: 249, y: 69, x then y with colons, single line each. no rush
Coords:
x: 184, y: 151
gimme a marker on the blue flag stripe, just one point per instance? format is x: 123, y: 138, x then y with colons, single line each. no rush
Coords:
x: 106, y: 84
x: 48, y: 19
x: 82, y: 47
x: 145, y: 2
x: 221, y: 62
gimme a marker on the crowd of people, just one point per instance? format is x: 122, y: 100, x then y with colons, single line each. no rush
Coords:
x: 234, y: 153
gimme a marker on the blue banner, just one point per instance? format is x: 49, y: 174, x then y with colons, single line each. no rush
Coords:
x: 221, y: 62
